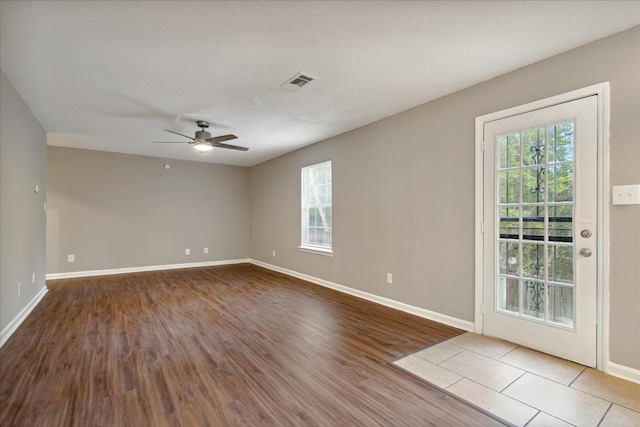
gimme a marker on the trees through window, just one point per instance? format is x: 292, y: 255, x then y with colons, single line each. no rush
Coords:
x: 316, y: 207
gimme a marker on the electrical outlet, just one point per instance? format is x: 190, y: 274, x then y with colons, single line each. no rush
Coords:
x: 274, y: 252
x: 389, y: 278
x: 187, y: 251
x: 19, y: 288
x: 71, y: 258
x: 206, y: 250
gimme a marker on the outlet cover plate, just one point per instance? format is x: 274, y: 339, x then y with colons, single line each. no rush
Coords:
x: 626, y: 195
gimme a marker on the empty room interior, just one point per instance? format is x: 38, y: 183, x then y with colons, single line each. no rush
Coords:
x: 320, y: 213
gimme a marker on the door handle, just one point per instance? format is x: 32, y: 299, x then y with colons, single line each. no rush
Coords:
x: 585, y: 252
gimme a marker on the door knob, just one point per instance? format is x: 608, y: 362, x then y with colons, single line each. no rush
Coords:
x: 585, y: 252
x: 585, y: 233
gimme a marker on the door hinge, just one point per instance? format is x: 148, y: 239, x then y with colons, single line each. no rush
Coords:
x: 482, y: 226
x: 483, y: 146
x: 482, y: 308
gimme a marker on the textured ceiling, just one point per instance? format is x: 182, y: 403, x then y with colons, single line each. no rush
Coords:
x: 112, y: 75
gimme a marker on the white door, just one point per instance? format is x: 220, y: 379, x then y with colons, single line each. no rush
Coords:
x: 540, y: 211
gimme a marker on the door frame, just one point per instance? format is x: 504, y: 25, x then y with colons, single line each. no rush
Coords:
x: 601, y: 90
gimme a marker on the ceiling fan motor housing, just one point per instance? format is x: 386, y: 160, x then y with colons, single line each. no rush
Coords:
x: 202, y: 135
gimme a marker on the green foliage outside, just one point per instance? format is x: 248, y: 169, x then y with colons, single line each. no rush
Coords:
x: 535, y: 192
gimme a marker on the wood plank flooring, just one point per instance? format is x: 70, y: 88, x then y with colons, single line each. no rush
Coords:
x: 221, y: 346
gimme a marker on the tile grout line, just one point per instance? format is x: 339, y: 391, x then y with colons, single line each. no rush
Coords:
x: 479, y: 354
x: 532, y: 418
x: 525, y: 403
x: 570, y: 388
x: 508, y: 352
x: 519, y: 376
x: 500, y: 393
x: 574, y: 389
x: 450, y: 357
x: 434, y: 346
x: 605, y: 413
x: 415, y: 353
x: 484, y: 336
x: 577, y: 376
x: 456, y: 382
x: 541, y: 376
x: 622, y: 405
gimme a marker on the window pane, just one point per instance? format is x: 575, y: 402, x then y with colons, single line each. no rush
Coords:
x: 508, y: 295
x: 533, y: 147
x: 561, y: 305
x: 561, y: 223
x: 509, y: 146
x: 533, y: 185
x: 560, y: 260
x: 509, y: 187
x: 509, y: 223
x: 312, y: 217
x: 508, y: 258
x: 534, y: 295
x: 533, y: 222
x: 316, y: 196
x: 561, y: 183
x: 561, y: 139
x: 533, y: 261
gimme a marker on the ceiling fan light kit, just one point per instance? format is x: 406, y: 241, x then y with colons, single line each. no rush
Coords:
x: 203, y: 147
x: 203, y: 141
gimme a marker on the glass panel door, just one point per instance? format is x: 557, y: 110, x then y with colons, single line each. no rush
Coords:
x: 540, y: 210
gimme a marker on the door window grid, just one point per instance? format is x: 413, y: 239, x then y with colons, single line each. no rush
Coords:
x: 535, y: 225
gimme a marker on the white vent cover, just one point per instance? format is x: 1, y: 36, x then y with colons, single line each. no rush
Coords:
x: 298, y: 81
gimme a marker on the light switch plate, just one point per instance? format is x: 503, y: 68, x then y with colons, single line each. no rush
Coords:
x: 626, y: 195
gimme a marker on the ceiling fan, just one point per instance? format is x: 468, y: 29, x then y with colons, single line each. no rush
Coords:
x: 203, y: 142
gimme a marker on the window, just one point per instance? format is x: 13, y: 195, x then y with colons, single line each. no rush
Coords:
x: 316, y: 207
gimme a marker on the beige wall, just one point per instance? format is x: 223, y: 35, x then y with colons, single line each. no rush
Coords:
x: 22, y: 217
x: 404, y: 192
x: 117, y: 211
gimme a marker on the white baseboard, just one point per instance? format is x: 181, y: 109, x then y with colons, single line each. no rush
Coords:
x: 624, y: 372
x: 90, y: 273
x: 17, y: 321
x: 420, y: 312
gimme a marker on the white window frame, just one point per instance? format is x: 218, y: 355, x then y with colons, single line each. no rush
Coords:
x: 304, y: 213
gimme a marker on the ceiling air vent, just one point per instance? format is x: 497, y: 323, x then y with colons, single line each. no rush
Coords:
x: 298, y: 81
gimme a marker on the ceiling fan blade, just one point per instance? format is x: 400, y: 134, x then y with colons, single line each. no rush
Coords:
x: 221, y: 138
x: 173, y: 142
x: 231, y: 147
x: 193, y: 139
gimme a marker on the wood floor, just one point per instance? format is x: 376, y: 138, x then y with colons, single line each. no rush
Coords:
x: 233, y: 345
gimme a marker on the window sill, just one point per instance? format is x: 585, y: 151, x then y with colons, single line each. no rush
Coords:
x: 314, y: 250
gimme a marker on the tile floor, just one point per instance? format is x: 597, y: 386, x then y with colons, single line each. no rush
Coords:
x: 524, y: 387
